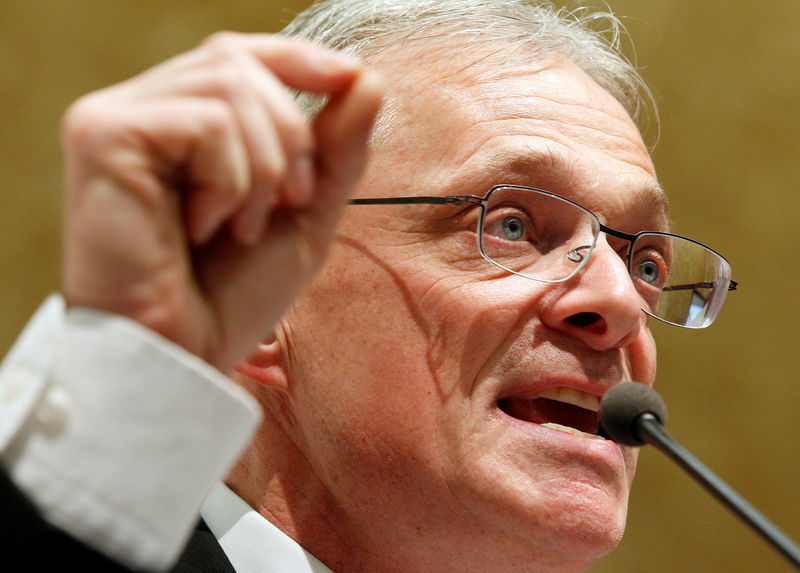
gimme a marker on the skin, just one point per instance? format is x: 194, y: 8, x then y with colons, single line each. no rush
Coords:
x: 383, y: 446
x: 200, y: 203
x: 190, y: 184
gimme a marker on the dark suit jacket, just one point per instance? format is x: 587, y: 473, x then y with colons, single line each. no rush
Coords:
x: 29, y: 543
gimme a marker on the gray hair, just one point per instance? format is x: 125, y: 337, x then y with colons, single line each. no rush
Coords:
x: 591, y: 40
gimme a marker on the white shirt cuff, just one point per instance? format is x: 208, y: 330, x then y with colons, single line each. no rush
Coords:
x: 115, y: 433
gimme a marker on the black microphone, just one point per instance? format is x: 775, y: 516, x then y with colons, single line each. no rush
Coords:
x: 633, y: 414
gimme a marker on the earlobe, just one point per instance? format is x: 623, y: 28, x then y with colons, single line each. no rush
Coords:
x: 266, y: 366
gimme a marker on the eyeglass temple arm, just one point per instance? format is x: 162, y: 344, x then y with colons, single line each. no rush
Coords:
x: 693, y: 286
x: 428, y: 200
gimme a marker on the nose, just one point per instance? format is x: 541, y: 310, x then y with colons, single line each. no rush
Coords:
x: 600, y: 304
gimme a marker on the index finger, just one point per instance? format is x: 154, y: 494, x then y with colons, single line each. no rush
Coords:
x: 298, y: 63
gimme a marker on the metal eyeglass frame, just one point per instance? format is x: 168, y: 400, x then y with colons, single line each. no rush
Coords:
x: 481, y: 202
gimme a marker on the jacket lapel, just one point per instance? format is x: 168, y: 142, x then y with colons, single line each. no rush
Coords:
x: 203, y: 554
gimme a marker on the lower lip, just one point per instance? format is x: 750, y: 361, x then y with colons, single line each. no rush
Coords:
x: 562, y: 442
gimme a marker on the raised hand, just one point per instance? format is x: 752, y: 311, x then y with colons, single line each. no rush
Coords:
x: 199, y: 198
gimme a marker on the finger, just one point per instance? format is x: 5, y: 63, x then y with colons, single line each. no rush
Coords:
x: 296, y: 243
x: 207, y: 159
x: 251, y: 219
x: 342, y: 131
x: 248, y: 223
x: 275, y: 130
x: 272, y: 123
x: 298, y: 63
x: 186, y: 146
x: 239, y: 68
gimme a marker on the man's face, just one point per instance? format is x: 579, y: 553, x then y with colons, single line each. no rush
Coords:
x: 415, y: 364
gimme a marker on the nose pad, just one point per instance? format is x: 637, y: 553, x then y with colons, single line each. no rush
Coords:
x: 576, y: 256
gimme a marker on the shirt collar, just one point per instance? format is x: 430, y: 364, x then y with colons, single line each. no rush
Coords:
x: 251, y: 543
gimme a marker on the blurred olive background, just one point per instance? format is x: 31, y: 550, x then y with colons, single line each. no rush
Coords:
x: 725, y: 75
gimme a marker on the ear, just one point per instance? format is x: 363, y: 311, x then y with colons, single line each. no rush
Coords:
x: 266, y: 365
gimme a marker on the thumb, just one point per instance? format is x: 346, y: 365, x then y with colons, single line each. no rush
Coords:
x: 342, y: 130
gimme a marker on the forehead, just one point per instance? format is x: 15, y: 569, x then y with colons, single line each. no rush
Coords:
x: 465, y: 120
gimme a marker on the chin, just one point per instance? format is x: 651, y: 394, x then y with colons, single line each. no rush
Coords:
x: 585, y: 525
x: 562, y: 520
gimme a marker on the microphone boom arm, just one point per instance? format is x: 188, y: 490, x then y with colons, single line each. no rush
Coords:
x: 650, y: 430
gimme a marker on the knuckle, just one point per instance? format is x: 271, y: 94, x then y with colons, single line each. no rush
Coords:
x: 229, y: 80
x: 86, y: 122
x: 218, y: 120
x: 222, y: 41
x: 222, y: 51
x: 227, y: 66
x: 79, y: 115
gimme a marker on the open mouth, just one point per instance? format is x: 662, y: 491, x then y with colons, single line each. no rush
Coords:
x: 565, y: 409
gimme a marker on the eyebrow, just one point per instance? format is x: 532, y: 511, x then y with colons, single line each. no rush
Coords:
x: 538, y: 163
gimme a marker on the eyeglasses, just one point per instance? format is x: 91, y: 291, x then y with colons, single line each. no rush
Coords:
x: 547, y: 238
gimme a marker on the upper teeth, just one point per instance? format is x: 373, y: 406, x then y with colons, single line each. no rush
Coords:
x: 572, y: 396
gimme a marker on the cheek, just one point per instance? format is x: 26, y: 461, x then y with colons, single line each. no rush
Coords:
x: 642, y: 355
x: 467, y: 322
x: 388, y: 360
x: 631, y: 456
x: 368, y: 358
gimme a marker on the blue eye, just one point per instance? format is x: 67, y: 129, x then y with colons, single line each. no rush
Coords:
x: 513, y: 228
x: 649, y: 272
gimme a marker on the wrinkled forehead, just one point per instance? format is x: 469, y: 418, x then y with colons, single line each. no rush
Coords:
x: 442, y: 74
x: 465, y: 75
x: 465, y: 110
x: 442, y: 62
x: 452, y: 54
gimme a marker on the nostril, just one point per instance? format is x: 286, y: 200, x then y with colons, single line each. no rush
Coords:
x: 583, y: 319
